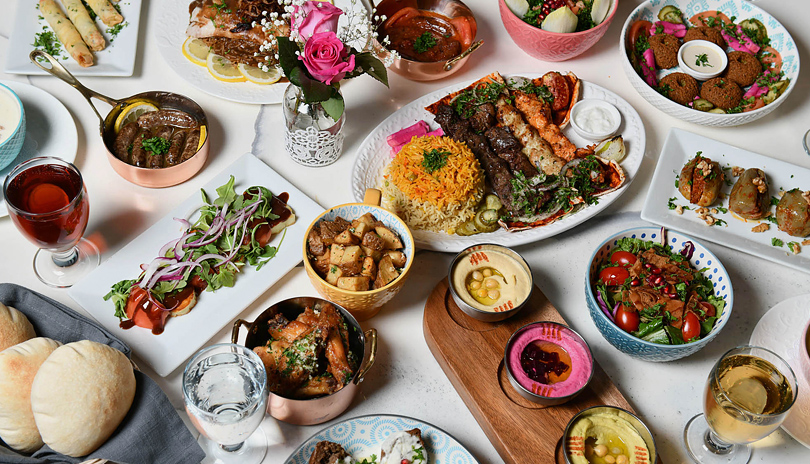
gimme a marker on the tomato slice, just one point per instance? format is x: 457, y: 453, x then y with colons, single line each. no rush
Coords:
x: 770, y: 56
x: 623, y: 258
x: 614, y: 275
x: 637, y: 29
x: 708, y: 308
x: 700, y: 18
x: 691, y: 326
x: 627, y: 320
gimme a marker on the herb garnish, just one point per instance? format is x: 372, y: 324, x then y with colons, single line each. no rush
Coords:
x: 47, y: 42
x: 434, y: 160
x: 702, y: 60
x: 777, y: 242
x: 467, y: 101
x: 157, y: 145
x: 115, y: 30
x: 530, y: 88
x: 424, y: 42
x: 794, y: 247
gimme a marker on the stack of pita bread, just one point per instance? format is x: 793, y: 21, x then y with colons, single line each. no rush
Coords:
x: 71, y: 397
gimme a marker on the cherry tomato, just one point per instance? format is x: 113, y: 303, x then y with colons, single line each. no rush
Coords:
x: 708, y: 308
x: 691, y: 326
x: 623, y: 258
x: 627, y: 320
x: 638, y: 29
x: 613, y: 275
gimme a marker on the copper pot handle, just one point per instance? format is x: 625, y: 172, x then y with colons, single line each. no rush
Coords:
x: 237, y: 324
x: 452, y: 61
x: 371, y: 335
x: 56, y: 69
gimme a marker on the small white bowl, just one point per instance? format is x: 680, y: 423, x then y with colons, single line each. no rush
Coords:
x: 702, y: 76
x: 610, y: 110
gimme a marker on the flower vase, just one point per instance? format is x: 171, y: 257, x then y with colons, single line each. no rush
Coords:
x: 311, y: 136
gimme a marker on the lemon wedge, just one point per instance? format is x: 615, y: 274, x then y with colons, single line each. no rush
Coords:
x: 223, y: 70
x: 202, y: 137
x: 131, y: 112
x: 257, y: 76
x: 196, y: 51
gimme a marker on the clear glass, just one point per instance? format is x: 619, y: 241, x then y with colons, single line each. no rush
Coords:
x: 312, y: 137
x: 225, y: 392
x: 748, y: 395
x: 806, y: 142
x: 48, y: 203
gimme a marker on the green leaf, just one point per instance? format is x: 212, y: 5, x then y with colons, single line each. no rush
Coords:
x: 226, y: 193
x: 287, y: 57
x: 119, y: 295
x: 366, y: 63
x: 314, y: 91
x: 334, y: 106
x: 707, y: 325
x: 675, y: 336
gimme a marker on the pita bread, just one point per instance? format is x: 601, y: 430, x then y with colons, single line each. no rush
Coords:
x: 80, y: 395
x: 14, y: 327
x: 18, y: 366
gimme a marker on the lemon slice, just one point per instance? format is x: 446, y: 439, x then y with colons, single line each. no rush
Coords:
x: 223, y: 70
x: 131, y: 112
x: 202, y: 137
x: 257, y: 76
x: 196, y: 51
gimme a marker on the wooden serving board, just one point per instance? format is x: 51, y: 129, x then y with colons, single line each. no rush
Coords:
x: 471, y: 354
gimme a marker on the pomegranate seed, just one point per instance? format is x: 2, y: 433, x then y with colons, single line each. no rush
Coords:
x: 405, y: 461
x: 648, y: 265
x: 672, y: 295
x: 635, y: 282
x: 656, y: 271
x: 659, y: 280
x: 668, y: 289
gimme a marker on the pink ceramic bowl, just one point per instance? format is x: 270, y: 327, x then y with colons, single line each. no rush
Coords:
x: 552, y: 46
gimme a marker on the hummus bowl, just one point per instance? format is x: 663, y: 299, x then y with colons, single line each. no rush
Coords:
x: 548, y: 363
x: 490, y: 282
x: 618, y: 431
x: 630, y: 344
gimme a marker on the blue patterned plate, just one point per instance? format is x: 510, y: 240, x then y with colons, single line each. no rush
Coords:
x: 362, y: 436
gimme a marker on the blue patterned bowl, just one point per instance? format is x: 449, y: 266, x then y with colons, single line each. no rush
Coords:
x: 10, y: 147
x: 636, y: 347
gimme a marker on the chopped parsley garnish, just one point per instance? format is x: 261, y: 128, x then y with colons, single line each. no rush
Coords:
x: 702, y: 60
x: 794, y: 247
x: 466, y: 102
x: 771, y: 219
x: 434, y: 160
x: 719, y: 222
x: 221, y: 7
x: 584, y: 20
x: 722, y: 210
x: 115, y: 30
x: 47, y: 42
x: 777, y: 242
x: 424, y: 42
x: 89, y: 10
x: 774, y: 201
x: 157, y: 145
x: 530, y: 88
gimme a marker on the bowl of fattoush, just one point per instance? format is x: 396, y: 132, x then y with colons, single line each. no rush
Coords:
x: 657, y: 295
x: 358, y: 255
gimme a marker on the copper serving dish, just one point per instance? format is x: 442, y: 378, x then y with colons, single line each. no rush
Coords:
x: 145, y: 177
x: 429, y: 71
x: 324, y: 408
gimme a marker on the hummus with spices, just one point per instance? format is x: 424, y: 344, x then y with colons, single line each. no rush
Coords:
x: 491, y: 281
x: 610, y: 430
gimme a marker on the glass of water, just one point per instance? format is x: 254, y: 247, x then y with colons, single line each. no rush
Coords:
x: 225, y: 391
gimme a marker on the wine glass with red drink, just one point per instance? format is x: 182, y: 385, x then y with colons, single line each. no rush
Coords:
x: 48, y: 203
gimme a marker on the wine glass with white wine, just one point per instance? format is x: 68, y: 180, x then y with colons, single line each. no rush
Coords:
x: 748, y: 395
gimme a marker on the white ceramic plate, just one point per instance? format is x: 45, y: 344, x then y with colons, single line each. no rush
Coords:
x: 184, y: 335
x: 374, y: 156
x: 681, y: 146
x: 780, y: 330
x: 118, y: 59
x: 742, y: 9
x: 362, y: 437
x: 49, y: 129
x: 170, y: 31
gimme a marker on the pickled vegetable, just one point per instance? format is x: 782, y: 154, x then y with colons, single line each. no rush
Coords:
x: 755, y: 29
x: 702, y: 105
x: 670, y: 14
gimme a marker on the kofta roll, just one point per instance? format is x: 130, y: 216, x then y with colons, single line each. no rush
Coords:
x: 192, y: 144
x: 122, y: 147
x: 178, y: 142
x: 138, y: 155
x: 87, y: 27
x: 159, y: 147
x: 66, y: 33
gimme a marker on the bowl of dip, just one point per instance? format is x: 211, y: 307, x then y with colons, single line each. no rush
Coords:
x: 601, y: 431
x: 490, y: 282
x: 702, y: 59
x: 12, y: 126
x: 548, y: 363
x: 595, y: 119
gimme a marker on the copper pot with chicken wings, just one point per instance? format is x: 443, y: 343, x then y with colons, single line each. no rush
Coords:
x: 315, y: 354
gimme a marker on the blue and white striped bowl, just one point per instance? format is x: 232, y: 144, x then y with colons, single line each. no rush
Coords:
x: 636, y: 347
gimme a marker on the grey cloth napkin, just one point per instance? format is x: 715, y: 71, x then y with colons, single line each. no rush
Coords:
x: 152, y: 431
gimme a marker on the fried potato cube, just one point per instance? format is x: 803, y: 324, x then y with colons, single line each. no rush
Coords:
x: 369, y: 219
x: 369, y: 267
x: 392, y: 242
x: 355, y: 284
x: 397, y: 257
x: 372, y: 240
x: 386, y: 273
x: 347, y: 238
x: 376, y: 255
x: 359, y: 228
x: 334, y: 274
x: 336, y: 254
x: 352, y: 260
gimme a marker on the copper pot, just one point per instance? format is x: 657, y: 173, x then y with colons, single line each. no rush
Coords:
x: 428, y: 71
x: 321, y: 409
x: 145, y: 177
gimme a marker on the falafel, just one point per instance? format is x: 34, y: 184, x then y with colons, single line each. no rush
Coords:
x: 743, y: 68
x: 705, y: 33
x: 665, y: 49
x: 721, y: 92
x: 682, y: 88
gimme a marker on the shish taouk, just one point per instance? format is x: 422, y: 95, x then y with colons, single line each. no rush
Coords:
x: 538, y: 114
x: 535, y: 148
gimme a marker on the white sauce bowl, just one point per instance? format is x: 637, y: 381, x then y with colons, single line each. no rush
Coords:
x: 12, y: 118
x: 596, y: 108
x: 684, y: 54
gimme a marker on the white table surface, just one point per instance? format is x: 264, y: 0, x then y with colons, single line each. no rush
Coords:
x: 406, y: 379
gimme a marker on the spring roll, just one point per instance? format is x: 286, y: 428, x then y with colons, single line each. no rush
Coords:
x: 87, y: 28
x: 66, y: 33
x: 106, y: 12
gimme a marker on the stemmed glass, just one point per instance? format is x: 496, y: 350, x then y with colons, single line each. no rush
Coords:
x: 48, y: 203
x: 748, y: 395
x: 225, y: 391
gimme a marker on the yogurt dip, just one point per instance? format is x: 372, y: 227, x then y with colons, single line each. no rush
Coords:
x: 10, y: 114
x: 549, y: 360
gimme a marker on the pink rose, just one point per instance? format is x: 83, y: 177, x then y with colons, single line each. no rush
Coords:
x: 315, y: 17
x: 324, y: 56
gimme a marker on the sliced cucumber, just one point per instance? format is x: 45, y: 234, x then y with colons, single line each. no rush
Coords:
x: 670, y: 14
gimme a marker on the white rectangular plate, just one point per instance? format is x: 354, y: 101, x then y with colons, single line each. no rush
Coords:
x: 118, y: 59
x: 681, y: 146
x: 184, y: 335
